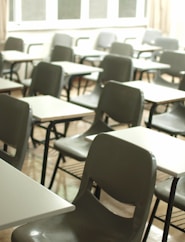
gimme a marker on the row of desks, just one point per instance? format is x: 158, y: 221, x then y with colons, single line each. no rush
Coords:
x: 73, y: 70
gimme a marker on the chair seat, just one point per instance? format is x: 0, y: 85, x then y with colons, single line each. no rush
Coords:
x: 170, y: 122
x: 88, y: 100
x: 162, y: 191
x: 26, y: 82
x: 73, y: 226
x: 75, y: 146
x: 161, y: 81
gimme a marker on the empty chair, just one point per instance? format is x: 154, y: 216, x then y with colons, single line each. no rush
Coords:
x: 47, y: 79
x: 62, y: 53
x: 119, y: 102
x: 162, y: 193
x: 167, y: 43
x: 103, y: 42
x: 12, y: 43
x: 121, y: 177
x: 119, y: 48
x: 62, y: 39
x: 118, y: 68
x: 150, y: 35
x: 176, y: 60
x: 15, y: 126
x: 172, y: 121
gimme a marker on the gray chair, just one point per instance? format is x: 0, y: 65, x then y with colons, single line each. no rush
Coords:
x: 62, y: 39
x: 117, y: 68
x: 150, y: 35
x: 162, y: 193
x: 103, y: 42
x: 62, y: 53
x: 119, y: 102
x: 92, y: 220
x: 122, y: 49
x: 176, y: 60
x: 47, y: 79
x: 172, y: 121
x: 12, y: 43
x: 15, y: 127
x: 167, y: 43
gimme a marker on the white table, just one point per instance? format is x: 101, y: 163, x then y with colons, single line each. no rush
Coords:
x: 143, y: 48
x: 73, y: 70
x: 8, y: 86
x: 54, y: 110
x: 14, y: 57
x: 23, y: 200
x: 84, y: 53
x: 142, y: 66
x: 169, y: 154
x: 156, y: 95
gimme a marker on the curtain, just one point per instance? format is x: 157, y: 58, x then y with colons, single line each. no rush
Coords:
x: 3, y: 19
x: 159, y: 15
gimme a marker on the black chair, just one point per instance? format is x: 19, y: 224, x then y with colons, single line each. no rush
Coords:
x: 176, y: 60
x: 62, y: 53
x: 173, y: 120
x: 47, y: 79
x: 15, y: 127
x: 118, y: 102
x: 121, y: 177
x: 162, y: 193
x: 12, y: 43
x: 117, y: 68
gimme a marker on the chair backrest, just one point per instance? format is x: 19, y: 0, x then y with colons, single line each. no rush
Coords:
x: 150, y: 36
x: 104, y: 40
x: 127, y: 173
x: 15, y: 126
x: 176, y: 60
x: 117, y: 68
x: 13, y: 43
x: 62, y: 39
x: 62, y: 53
x: 119, y: 48
x: 120, y: 102
x: 47, y: 79
x: 167, y: 43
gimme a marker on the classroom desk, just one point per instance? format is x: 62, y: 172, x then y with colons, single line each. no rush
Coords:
x: 169, y: 154
x: 139, y: 49
x: 142, y: 66
x: 23, y: 200
x: 6, y: 86
x: 73, y: 70
x: 83, y: 53
x: 156, y: 95
x: 14, y: 57
x: 53, y: 110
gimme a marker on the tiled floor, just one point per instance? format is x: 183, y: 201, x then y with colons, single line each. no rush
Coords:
x: 67, y: 186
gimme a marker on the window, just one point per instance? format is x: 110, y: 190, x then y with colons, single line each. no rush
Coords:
x: 74, y: 13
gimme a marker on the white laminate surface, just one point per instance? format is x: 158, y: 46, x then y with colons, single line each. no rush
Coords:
x: 157, y: 93
x: 71, y: 68
x: 48, y: 108
x: 168, y: 151
x: 7, y: 85
x: 23, y: 200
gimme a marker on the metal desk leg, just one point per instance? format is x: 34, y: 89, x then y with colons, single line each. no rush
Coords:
x: 152, y: 110
x: 169, y: 209
x: 45, y: 157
